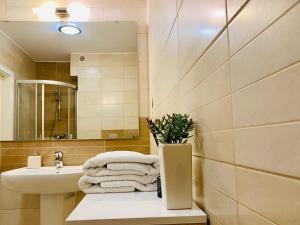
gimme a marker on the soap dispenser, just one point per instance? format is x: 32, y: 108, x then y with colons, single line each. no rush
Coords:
x: 34, y: 161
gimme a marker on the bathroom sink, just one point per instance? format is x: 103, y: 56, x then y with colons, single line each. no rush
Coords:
x: 45, y: 180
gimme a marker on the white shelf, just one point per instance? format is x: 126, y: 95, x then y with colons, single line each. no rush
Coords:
x: 135, y: 208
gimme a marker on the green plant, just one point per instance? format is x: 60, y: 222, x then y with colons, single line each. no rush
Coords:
x: 172, y: 129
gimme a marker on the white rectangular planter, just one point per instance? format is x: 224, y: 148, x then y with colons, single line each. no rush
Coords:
x: 176, y: 175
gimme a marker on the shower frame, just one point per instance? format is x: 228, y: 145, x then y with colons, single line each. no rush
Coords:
x: 43, y: 83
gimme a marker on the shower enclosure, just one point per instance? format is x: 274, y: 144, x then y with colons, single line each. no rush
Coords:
x: 45, y: 110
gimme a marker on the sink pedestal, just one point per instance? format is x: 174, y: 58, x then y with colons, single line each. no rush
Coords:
x: 56, y: 207
x: 57, y: 188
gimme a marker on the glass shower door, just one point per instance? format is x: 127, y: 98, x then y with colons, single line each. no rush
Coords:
x: 26, y: 120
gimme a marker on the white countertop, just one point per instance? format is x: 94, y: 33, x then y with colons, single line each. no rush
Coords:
x: 142, y: 208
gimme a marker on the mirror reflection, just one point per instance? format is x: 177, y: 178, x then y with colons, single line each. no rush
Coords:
x: 80, y: 81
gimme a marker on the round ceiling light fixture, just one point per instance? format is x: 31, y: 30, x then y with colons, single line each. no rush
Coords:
x: 69, y: 29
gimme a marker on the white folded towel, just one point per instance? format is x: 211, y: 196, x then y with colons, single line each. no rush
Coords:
x: 145, y: 168
x: 141, y: 183
x: 120, y: 171
x: 137, y: 185
x: 102, y: 171
x: 97, y: 189
x: 103, y: 159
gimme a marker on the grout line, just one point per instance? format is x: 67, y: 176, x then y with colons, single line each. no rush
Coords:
x: 267, y: 76
x: 251, y: 168
x: 219, y: 191
x: 205, y: 79
x: 238, y: 202
x: 237, y: 12
x: 292, y: 122
x: 264, y: 217
x: 173, y: 23
x: 263, y: 30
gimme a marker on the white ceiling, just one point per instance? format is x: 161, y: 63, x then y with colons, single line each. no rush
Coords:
x: 43, y: 42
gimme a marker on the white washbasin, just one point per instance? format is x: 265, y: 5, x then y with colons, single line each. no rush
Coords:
x: 45, y: 180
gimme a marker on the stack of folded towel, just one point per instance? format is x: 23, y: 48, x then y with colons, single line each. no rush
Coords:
x: 120, y: 171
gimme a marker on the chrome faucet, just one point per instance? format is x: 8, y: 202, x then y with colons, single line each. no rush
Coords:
x: 58, y: 159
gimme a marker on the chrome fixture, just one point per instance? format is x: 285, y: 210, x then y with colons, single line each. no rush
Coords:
x: 58, y: 159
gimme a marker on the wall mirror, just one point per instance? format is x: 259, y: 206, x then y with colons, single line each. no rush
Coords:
x: 79, y: 81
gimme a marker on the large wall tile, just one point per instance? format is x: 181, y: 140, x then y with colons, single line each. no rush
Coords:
x: 2, y: 10
x: 277, y: 148
x: 271, y: 51
x: 220, y: 176
x: 215, y: 56
x: 198, y: 23
x: 20, y: 216
x: 245, y: 26
x: 215, y: 116
x: 249, y: 217
x: 14, y: 200
x: 215, y: 86
x: 275, y: 99
x: 219, y: 206
x: 167, y: 15
x: 217, y: 145
x: 277, y: 198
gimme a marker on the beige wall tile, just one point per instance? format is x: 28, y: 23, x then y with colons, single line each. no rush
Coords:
x: 215, y: 116
x: 245, y: 26
x: 249, y: 217
x: 169, y: 69
x: 272, y: 100
x: 201, y: 93
x: 198, y: 24
x: 215, y: 86
x: 20, y: 217
x: 143, y: 47
x: 217, y: 145
x: 220, y: 176
x: 168, y: 12
x: 273, y: 196
x: 197, y: 169
x: 275, y: 146
x: 219, y: 206
x: 215, y: 56
x: 273, y: 50
x: 14, y: 200
x: 2, y: 10
x: 198, y: 193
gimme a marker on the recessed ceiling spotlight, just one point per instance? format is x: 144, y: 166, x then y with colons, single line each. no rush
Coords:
x: 69, y: 29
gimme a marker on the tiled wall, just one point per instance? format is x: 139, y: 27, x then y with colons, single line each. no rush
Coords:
x: 14, y: 59
x: 24, y: 209
x: 234, y: 66
x: 18, y: 209
x: 108, y: 94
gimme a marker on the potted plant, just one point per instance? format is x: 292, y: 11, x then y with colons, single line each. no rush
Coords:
x: 171, y: 134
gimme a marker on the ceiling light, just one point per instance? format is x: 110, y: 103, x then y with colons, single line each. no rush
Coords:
x: 69, y: 29
x: 78, y: 12
x: 46, y: 12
